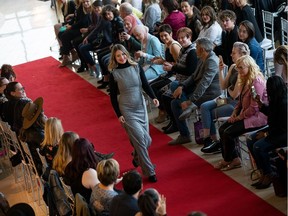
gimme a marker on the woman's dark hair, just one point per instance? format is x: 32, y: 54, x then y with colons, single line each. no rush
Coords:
x: 250, y: 29
x: 276, y: 91
x: 83, y: 157
x: 11, y: 87
x: 165, y: 28
x: 170, y: 5
x: 7, y: 71
x: 110, y: 8
x: 190, y: 2
x: 147, y: 202
x: 211, y: 13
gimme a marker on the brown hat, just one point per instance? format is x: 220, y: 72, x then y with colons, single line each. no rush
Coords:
x: 31, y: 112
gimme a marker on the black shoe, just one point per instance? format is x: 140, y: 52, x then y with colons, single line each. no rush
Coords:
x: 108, y: 90
x: 103, y: 85
x: 214, y: 148
x: 152, y: 178
x: 104, y: 156
x: 207, y: 142
x: 135, y: 164
x: 60, y: 57
x: 167, y: 126
x: 100, y: 81
x: 81, y: 69
x: 173, y: 128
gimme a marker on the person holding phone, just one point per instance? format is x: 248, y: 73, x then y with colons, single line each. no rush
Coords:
x: 246, y: 116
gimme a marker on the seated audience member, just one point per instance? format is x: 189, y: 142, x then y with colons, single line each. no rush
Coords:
x: 244, y: 12
x: 103, y: 193
x: 150, y: 48
x: 211, y: 28
x: 201, y: 86
x: 80, y: 174
x: 193, y: 17
x: 175, y: 18
x: 68, y: 8
x: 82, y: 20
x: 126, y: 202
x: 276, y: 135
x: 184, y: 68
x: 8, y: 72
x: 246, y: 35
x: 246, y: 116
x: 95, y: 18
x: 64, y: 152
x: 52, y: 135
x: 152, y: 14
x: 110, y: 13
x: 12, y: 109
x: 32, y: 131
x: 3, y: 83
x: 172, y: 50
x: 99, y: 39
x: 280, y: 62
x: 210, y: 109
x: 126, y: 9
x: 150, y: 202
x: 229, y: 35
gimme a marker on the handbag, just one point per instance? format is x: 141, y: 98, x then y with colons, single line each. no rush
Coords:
x: 97, y: 43
x: 221, y: 101
x: 198, y: 132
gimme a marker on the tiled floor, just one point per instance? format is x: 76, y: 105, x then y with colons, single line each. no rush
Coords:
x: 26, y: 34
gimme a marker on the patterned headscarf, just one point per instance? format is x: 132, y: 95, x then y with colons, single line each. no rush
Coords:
x: 131, y: 19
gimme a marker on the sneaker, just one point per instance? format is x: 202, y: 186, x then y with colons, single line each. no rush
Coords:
x: 187, y: 112
x: 214, y: 148
x: 180, y: 140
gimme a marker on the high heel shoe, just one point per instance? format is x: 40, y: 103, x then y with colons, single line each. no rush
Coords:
x: 152, y: 178
x: 100, y: 81
x: 265, y: 183
x: 167, y: 126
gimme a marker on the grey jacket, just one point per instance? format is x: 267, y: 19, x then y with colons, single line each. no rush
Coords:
x: 204, y: 81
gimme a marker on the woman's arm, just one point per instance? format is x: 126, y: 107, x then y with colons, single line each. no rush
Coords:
x: 113, y: 95
x: 90, y: 178
x: 175, y: 50
x: 146, y: 87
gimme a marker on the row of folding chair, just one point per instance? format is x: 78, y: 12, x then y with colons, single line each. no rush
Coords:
x: 28, y: 172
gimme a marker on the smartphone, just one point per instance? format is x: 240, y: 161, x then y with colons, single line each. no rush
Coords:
x: 253, y: 92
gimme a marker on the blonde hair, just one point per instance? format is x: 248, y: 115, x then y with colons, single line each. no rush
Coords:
x: 64, y: 152
x: 108, y: 171
x: 253, y: 70
x: 52, y: 132
x: 113, y: 63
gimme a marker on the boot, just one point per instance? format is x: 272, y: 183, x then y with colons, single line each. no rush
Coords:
x: 162, y: 116
x: 66, y: 61
x: 74, y: 55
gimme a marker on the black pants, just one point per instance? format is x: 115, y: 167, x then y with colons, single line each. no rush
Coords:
x: 66, y: 38
x: 76, y: 42
x: 228, y: 133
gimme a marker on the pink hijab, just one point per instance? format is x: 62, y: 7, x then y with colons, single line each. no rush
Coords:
x: 131, y: 19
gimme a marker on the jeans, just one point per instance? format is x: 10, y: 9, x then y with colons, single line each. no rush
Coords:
x: 210, y: 111
x: 103, y: 62
x: 260, y: 152
x: 84, y: 50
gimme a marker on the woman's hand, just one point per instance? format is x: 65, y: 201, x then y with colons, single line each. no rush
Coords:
x: 158, y: 60
x: 221, y: 63
x: 233, y: 119
x: 178, y: 92
x: 156, y: 102
x: 167, y: 66
x: 161, y: 209
x: 118, y: 180
x: 121, y: 119
x: 139, y: 54
x: 84, y: 30
x: 125, y: 36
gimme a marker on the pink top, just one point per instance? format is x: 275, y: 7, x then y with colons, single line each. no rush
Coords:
x: 176, y: 20
x: 249, y: 107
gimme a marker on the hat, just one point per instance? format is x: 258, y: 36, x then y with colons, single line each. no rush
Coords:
x: 21, y: 209
x: 31, y: 111
x: 97, y: 3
